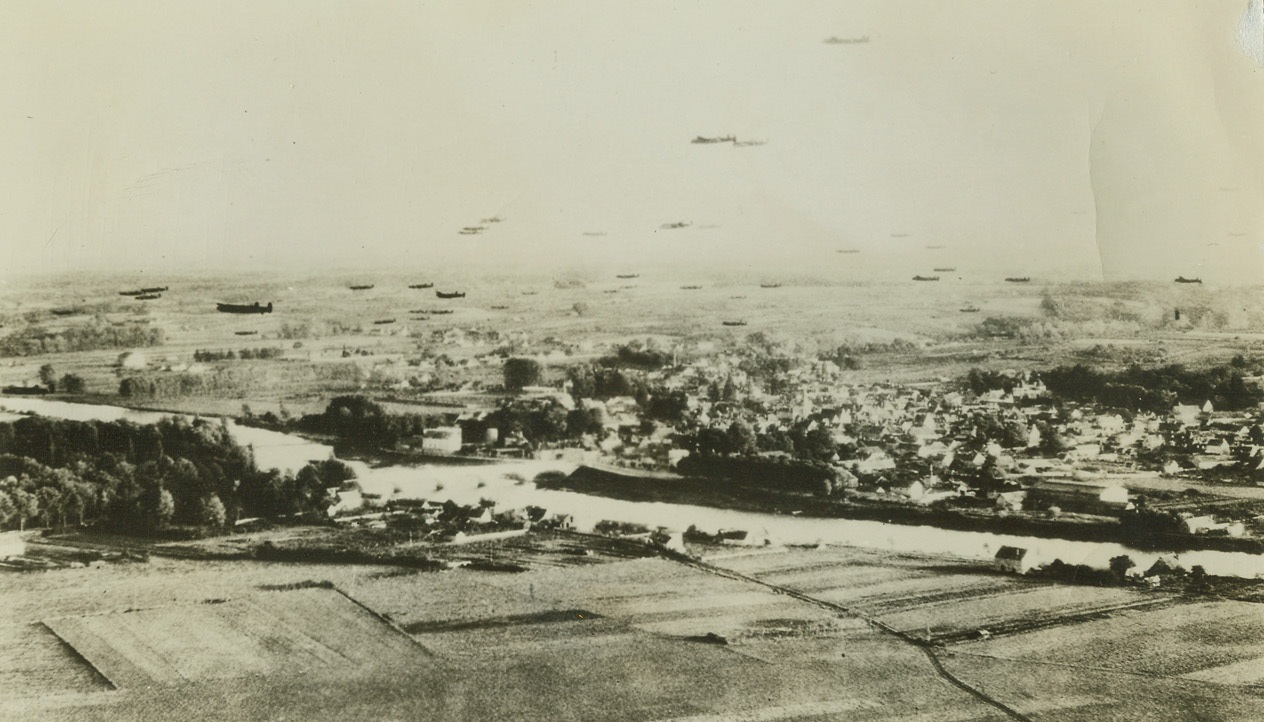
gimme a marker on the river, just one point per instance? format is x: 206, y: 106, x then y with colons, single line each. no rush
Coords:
x: 501, y: 482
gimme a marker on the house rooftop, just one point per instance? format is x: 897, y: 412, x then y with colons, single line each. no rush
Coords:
x: 1008, y: 552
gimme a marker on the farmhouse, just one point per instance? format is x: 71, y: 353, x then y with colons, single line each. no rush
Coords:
x: 1013, y: 559
x: 1162, y: 572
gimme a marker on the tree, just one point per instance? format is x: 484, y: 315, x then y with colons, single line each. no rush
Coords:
x: 741, y: 437
x: 8, y: 511
x: 48, y: 376
x: 521, y: 372
x: 712, y: 441
x: 73, y: 384
x: 583, y: 381
x: 1013, y: 434
x: 981, y: 381
x: 76, y: 498
x: 335, y: 471
x: 1120, y: 565
x: 584, y: 421
x: 49, y: 501
x: 816, y: 444
x: 1198, y: 582
x: 25, y: 505
x: 668, y: 405
x: 776, y: 440
x: 212, y: 513
x: 991, y: 477
x: 157, y: 507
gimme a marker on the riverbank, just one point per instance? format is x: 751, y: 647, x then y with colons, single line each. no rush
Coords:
x: 787, y: 520
x: 708, y: 492
x: 625, y: 484
x: 187, y: 406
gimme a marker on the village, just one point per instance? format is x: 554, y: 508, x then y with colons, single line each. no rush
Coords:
x: 806, y: 428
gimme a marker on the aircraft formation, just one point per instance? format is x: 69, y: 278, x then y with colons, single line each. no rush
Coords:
x: 482, y: 226
x: 712, y: 140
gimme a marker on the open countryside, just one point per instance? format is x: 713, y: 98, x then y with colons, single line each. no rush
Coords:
x: 481, y: 553
x: 644, y: 362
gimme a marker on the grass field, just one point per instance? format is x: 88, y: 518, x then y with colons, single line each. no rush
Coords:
x: 504, y: 646
x: 37, y: 663
x: 620, y: 640
x: 316, y: 632
x: 914, y: 594
x: 1079, y: 694
x: 1220, y: 642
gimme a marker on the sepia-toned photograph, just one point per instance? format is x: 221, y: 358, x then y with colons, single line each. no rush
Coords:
x: 642, y: 361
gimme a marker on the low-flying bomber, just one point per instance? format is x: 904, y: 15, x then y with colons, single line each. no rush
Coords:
x: 243, y: 307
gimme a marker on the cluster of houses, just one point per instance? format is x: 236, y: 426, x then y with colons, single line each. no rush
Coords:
x: 928, y: 442
x: 920, y: 443
x: 437, y: 521
x: 1163, y: 572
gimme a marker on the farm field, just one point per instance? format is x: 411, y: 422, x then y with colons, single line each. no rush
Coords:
x: 573, y: 606
x: 926, y: 596
x: 1078, y: 694
x: 666, y: 598
x: 316, y: 632
x: 627, y: 639
x: 1218, y: 641
x: 504, y: 646
x: 1058, y: 652
x: 328, y: 341
x: 38, y: 664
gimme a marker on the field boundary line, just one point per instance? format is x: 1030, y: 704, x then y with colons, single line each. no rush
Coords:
x: 924, y: 645
x: 387, y: 621
x: 945, y: 599
x: 1108, y: 670
x: 76, y: 654
x: 1079, y: 617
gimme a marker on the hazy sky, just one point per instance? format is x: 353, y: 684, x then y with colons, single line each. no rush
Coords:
x: 1079, y: 137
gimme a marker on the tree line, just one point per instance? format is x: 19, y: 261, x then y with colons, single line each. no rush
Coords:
x: 361, y: 421
x: 591, y: 381
x: 1154, y: 389
x: 801, y: 476
x: 238, y: 382
x: 142, y: 478
x: 1139, y: 388
x: 245, y: 354
x: 220, y: 382
x: 92, y: 336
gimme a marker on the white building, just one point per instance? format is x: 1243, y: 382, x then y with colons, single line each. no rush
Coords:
x: 1013, y: 559
x: 441, y: 440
